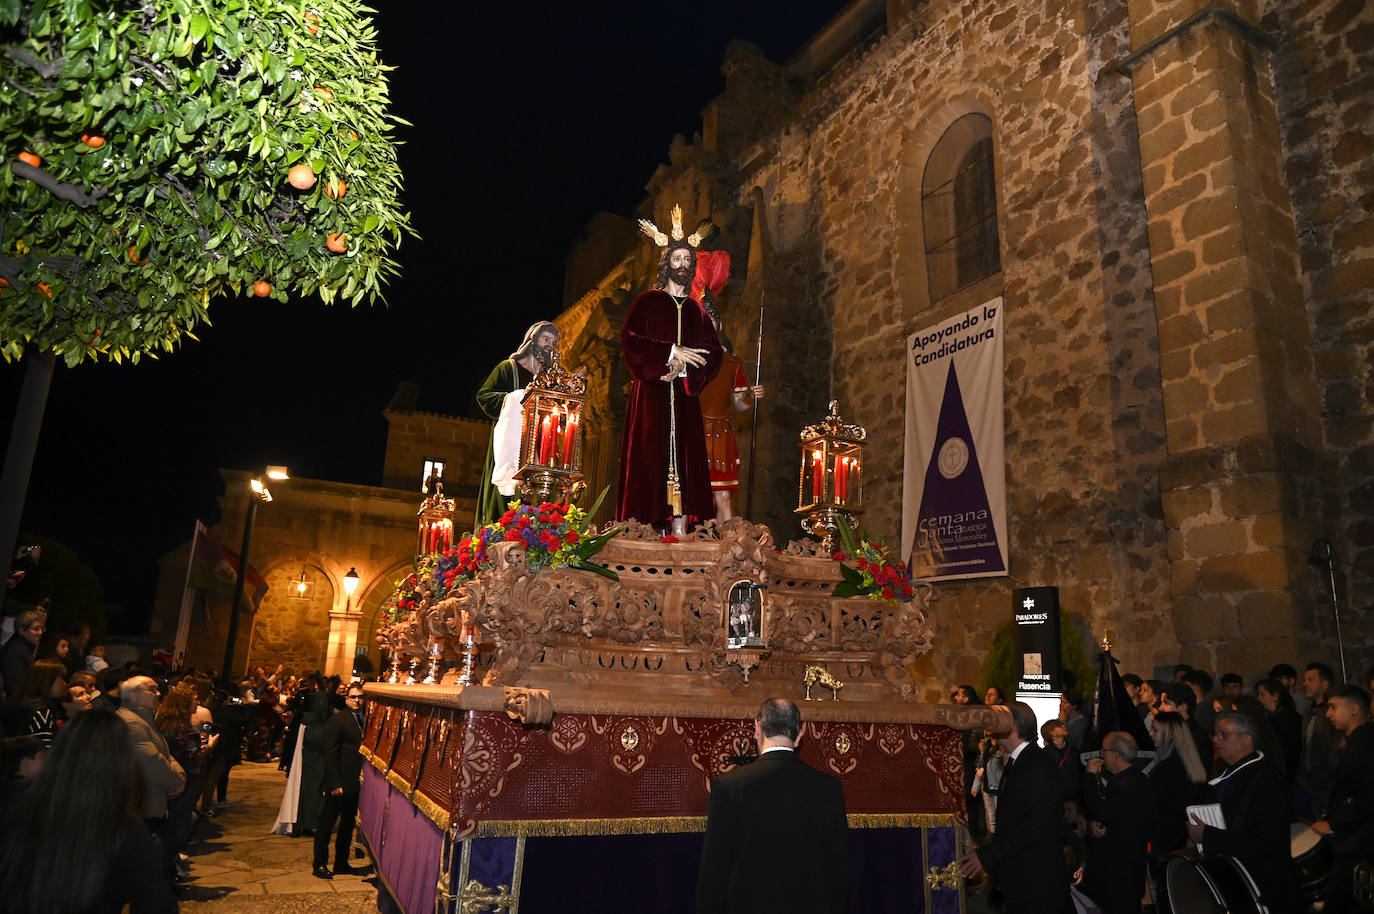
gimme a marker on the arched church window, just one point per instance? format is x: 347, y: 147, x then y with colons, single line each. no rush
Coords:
x: 959, y: 207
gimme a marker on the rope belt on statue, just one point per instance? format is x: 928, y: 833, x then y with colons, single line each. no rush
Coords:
x: 674, y: 482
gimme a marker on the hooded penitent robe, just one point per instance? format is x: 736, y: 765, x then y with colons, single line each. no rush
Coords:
x: 649, y: 333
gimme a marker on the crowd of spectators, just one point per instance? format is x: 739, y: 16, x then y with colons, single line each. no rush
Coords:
x: 156, y: 742
x: 1288, y: 763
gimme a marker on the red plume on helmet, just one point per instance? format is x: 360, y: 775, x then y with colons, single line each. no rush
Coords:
x: 713, y: 271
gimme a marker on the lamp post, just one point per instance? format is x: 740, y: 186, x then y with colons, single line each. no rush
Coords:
x: 259, y: 493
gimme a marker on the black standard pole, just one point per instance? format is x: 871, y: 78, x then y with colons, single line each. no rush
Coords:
x: 239, y: 581
x: 28, y: 421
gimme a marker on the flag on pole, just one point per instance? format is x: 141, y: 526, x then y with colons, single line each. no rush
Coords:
x: 1113, y: 709
x: 214, y: 567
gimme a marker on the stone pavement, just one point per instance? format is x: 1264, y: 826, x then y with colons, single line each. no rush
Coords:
x: 239, y: 867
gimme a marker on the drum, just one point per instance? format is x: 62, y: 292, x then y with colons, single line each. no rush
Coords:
x: 1211, y: 885
x: 1311, y: 861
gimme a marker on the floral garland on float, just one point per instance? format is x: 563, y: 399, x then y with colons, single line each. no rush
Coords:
x: 875, y: 574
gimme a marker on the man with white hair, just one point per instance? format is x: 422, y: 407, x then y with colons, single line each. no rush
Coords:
x: 159, y: 774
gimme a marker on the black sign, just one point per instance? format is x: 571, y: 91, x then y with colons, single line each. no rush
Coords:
x: 1035, y: 610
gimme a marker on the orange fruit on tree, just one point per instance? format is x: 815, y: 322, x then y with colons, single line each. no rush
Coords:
x: 29, y: 158
x: 301, y: 177
x: 262, y: 289
x: 337, y: 243
x: 133, y: 255
x: 43, y: 287
x: 336, y: 188
x: 311, y: 18
x: 328, y: 96
x: 95, y: 142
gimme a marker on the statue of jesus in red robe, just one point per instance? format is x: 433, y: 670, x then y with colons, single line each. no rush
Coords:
x: 671, y: 349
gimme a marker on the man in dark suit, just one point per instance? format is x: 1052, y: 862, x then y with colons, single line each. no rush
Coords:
x: 343, y: 768
x: 1025, y: 856
x: 1254, y: 804
x: 777, y: 839
x: 1349, y: 819
x: 1122, y: 809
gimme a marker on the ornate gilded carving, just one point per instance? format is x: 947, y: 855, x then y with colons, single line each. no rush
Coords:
x: 531, y: 707
x: 478, y: 899
x: 819, y: 675
x: 666, y: 618
x: 945, y: 877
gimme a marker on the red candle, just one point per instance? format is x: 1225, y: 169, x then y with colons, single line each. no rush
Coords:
x: 568, y: 436
x: 841, y: 479
x: 852, y: 475
x: 545, y: 440
x: 817, y: 476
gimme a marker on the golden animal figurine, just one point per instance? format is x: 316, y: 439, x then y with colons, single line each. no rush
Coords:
x: 819, y: 674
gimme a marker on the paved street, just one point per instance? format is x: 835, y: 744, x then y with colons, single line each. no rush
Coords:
x: 240, y: 868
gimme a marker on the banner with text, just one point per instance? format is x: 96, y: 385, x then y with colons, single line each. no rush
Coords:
x: 954, y: 502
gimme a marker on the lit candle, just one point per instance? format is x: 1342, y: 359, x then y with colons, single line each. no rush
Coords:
x: 568, y: 436
x: 545, y: 439
x: 817, y: 476
x: 841, y: 478
x: 852, y: 474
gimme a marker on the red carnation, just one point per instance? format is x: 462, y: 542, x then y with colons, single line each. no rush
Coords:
x: 908, y: 592
x: 670, y: 539
x: 888, y: 594
x: 513, y: 536
x: 572, y: 536
x: 863, y: 564
x: 837, y: 556
x: 522, y: 523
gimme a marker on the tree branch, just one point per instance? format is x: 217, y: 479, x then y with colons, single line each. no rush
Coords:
x: 45, y: 70
x: 69, y: 192
x: 23, y: 88
x: 158, y: 76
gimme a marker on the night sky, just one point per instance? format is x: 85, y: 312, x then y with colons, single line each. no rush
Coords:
x: 526, y: 123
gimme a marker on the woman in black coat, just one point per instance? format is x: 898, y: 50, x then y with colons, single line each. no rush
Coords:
x: 1286, y: 721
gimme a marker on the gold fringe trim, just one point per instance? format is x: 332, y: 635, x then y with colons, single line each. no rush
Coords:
x: 902, y: 820
x: 510, y: 828
x: 400, y: 783
x: 432, y: 811
x: 560, y: 828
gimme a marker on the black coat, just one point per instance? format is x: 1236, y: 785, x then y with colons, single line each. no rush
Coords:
x: 1115, y: 873
x: 1255, y: 804
x: 343, y: 764
x: 777, y: 840
x: 1350, y: 811
x: 1025, y: 856
x: 1287, y: 724
x: 1171, y: 792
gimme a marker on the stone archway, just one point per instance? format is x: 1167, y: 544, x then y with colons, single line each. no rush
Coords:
x: 289, y: 627
x: 370, y: 608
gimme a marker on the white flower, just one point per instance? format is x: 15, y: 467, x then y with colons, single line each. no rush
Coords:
x: 297, y: 75
x: 137, y: 80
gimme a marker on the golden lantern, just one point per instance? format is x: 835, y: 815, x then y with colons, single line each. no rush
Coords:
x: 551, y: 433
x: 830, y: 482
x: 436, y: 520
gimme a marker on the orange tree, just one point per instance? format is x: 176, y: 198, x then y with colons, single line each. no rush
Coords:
x: 146, y: 151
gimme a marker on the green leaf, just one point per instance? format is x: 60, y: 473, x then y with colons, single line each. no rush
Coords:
x: 200, y: 25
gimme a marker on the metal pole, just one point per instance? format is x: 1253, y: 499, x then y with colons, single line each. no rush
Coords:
x: 754, y: 429
x: 239, y: 581
x: 1323, y: 550
x: 28, y: 421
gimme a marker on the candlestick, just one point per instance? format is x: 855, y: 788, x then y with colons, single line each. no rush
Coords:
x: 568, y: 436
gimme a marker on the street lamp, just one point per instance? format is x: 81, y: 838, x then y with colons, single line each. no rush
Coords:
x: 259, y: 493
x: 350, y: 585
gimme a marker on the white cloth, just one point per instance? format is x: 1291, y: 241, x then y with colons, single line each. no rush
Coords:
x: 95, y: 664
x: 290, y: 798
x: 505, y: 443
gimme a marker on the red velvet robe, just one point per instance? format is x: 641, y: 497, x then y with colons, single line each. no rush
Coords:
x: 649, y: 332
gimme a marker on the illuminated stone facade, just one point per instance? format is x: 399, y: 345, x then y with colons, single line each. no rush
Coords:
x: 1182, y: 205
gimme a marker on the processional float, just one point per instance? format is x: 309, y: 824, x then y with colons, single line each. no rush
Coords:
x: 559, y: 751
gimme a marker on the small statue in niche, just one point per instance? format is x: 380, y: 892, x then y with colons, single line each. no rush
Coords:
x: 745, y: 615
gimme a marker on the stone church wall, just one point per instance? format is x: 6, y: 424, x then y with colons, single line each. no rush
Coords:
x: 1167, y: 460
